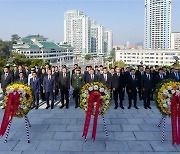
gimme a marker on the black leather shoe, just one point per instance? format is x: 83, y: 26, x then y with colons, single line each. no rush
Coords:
x: 136, y: 107
x: 67, y: 107
x: 37, y: 107
x: 145, y: 107
x: 115, y: 107
x: 61, y: 106
x: 129, y: 107
x: 47, y: 107
x: 122, y: 107
x: 52, y: 107
x: 76, y: 107
x: 149, y: 107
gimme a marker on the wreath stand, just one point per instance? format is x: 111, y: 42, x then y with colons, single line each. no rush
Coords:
x: 163, y: 123
x: 27, y: 125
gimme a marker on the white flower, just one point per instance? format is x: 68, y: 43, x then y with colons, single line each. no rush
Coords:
x: 165, y: 106
x: 86, y: 91
x: 84, y: 95
x: 90, y: 88
x: 96, y: 87
x: 172, y: 91
x: 107, y: 102
x: 105, y: 91
x: 165, y: 92
x: 107, y: 96
x: 84, y: 100
x: 169, y: 87
x: 101, y: 90
x: 169, y: 95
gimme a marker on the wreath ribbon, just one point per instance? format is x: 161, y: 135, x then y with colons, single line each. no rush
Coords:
x: 94, y: 96
x: 10, y: 111
x: 175, y: 118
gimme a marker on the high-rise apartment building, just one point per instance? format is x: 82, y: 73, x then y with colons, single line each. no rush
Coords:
x: 108, y: 41
x: 81, y: 34
x: 97, y: 39
x: 85, y: 34
x: 157, y: 24
x: 68, y: 16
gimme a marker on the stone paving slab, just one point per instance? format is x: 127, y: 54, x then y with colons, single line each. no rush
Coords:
x: 59, y: 131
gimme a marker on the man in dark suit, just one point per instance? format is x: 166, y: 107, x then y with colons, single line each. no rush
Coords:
x: 37, y: 70
x: 139, y: 74
x: 6, y: 79
x: 160, y: 77
x: 15, y: 73
x: 86, y: 73
x: 26, y: 71
x: 22, y: 79
x: 175, y: 75
x: 118, y: 86
x: 49, y: 87
x: 35, y: 84
x: 105, y: 78
x: 147, y: 87
x: 92, y: 77
x: 55, y: 74
x: 43, y: 74
x: 64, y: 85
x: 132, y: 82
x: 166, y: 72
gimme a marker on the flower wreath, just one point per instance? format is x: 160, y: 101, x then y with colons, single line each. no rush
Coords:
x: 104, y: 99
x: 25, y: 96
x: 163, y: 95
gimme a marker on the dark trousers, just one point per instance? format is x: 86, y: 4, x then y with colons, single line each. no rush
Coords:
x: 66, y: 94
x: 42, y: 95
x: 36, y: 99
x: 118, y: 93
x: 140, y: 93
x: 50, y: 96
x: 56, y: 91
x: 77, y: 97
x: 132, y: 96
x: 147, y: 97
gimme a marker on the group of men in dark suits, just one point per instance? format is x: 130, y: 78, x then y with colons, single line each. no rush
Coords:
x: 47, y: 82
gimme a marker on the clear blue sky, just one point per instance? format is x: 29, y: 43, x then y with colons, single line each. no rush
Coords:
x: 46, y: 17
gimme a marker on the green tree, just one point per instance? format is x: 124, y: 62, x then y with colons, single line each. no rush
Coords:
x: 14, y: 38
x: 88, y: 57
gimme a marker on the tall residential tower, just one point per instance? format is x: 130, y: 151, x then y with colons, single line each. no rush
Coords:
x: 157, y: 24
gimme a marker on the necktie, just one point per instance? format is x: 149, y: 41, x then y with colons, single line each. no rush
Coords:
x: 177, y: 76
x: 64, y: 75
x: 5, y: 76
x: 148, y: 76
x: 133, y: 77
x: 92, y: 77
x: 105, y: 77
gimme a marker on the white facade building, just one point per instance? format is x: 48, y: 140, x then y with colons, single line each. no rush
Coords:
x: 157, y: 24
x: 48, y: 51
x: 68, y: 16
x: 147, y: 57
x: 175, y: 40
x: 85, y: 35
x: 108, y: 41
x: 81, y: 35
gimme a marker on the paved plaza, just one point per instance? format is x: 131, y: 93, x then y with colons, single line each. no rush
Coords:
x: 59, y: 131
